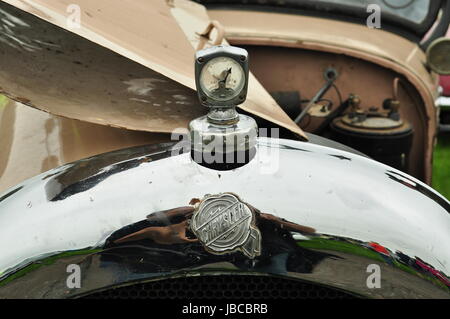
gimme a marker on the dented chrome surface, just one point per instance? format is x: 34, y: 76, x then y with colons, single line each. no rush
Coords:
x: 324, y: 216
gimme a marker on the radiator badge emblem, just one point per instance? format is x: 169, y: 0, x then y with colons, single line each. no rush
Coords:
x: 224, y: 224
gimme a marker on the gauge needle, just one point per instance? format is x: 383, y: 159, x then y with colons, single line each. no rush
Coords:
x: 225, y: 74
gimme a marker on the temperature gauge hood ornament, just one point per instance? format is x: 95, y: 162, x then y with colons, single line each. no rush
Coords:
x: 223, y: 139
x: 221, y: 76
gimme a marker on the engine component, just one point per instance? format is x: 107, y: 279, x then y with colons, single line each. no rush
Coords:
x: 330, y: 76
x: 385, y: 138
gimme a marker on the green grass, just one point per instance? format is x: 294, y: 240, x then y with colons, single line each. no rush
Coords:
x: 3, y: 101
x: 326, y: 244
x: 441, y: 165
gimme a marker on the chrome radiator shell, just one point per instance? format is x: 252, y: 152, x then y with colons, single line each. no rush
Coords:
x: 354, y: 205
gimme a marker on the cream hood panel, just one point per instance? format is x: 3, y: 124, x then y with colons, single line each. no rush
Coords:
x: 147, y: 33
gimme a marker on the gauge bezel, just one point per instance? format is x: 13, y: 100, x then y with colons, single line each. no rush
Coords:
x: 430, y: 54
x: 202, y: 58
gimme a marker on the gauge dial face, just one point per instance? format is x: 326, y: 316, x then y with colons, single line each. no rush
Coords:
x: 222, y: 78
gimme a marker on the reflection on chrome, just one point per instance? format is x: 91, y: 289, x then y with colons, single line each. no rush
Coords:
x: 324, y: 216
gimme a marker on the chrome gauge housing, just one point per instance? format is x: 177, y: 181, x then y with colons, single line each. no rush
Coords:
x: 221, y: 75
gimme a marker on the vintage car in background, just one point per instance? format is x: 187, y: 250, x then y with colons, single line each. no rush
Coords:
x: 443, y: 102
x: 92, y: 179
